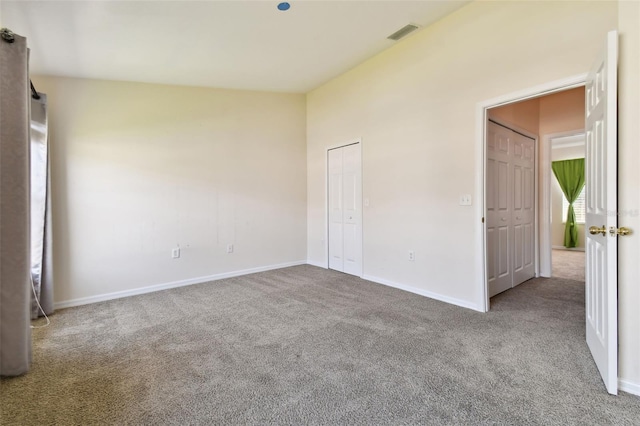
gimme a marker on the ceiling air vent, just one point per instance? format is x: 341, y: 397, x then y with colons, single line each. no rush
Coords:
x: 409, y: 28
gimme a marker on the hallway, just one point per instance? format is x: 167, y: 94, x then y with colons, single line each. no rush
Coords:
x: 568, y: 264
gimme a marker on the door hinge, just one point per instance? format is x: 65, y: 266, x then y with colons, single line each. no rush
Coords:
x: 483, y: 220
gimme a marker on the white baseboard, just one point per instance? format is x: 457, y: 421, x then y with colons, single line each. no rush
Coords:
x: 629, y: 387
x: 425, y: 293
x: 157, y: 287
x: 318, y: 264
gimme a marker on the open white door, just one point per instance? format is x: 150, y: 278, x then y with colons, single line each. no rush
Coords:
x: 601, y: 219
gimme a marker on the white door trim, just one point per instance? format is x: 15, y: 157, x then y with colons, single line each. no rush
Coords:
x: 545, y: 200
x: 326, y: 199
x: 481, y: 155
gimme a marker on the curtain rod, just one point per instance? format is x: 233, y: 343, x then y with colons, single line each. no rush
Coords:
x: 34, y: 92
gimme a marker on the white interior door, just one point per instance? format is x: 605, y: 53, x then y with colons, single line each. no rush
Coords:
x: 601, y: 200
x: 499, y: 193
x: 345, y: 209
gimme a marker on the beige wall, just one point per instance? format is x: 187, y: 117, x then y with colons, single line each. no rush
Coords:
x: 140, y: 168
x: 629, y: 192
x: 557, y: 218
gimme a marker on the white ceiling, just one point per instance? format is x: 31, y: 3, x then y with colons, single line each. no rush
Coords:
x: 229, y: 44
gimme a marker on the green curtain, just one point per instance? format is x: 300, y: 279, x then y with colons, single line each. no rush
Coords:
x: 570, y: 175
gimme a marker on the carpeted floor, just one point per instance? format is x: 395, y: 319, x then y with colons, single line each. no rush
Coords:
x: 304, y: 345
x: 568, y: 264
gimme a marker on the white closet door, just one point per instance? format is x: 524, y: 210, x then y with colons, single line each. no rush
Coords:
x: 352, y: 202
x: 345, y: 209
x: 499, y: 194
x: 510, y: 208
x: 336, y: 226
x: 523, y: 215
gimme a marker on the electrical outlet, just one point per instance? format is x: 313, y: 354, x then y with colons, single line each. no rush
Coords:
x: 412, y: 255
x: 230, y: 248
x: 175, y: 253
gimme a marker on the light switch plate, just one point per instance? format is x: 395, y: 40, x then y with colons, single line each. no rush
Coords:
x: 465, y: 200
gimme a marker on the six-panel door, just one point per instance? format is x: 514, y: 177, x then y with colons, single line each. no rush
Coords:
x: 345, y: 209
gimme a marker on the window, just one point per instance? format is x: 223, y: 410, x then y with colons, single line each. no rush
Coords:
x: 578, y: 208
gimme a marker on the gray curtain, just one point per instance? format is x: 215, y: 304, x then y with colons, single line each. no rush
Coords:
x: 41, y: 262
x: 15, y: 279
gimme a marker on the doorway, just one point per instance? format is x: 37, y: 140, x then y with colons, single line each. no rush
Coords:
x: 567, y: 257
x: 555, y: 119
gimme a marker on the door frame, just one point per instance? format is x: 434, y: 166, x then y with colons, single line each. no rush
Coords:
x: 481, y: 157
x: 326, y: 199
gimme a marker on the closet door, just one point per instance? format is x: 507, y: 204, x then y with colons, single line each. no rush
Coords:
x: 523, y: 215
x: 336, y: 211
x: 510, y: 190
x: 499, y: 209
x: 345, y: 209
x: 352, y: 202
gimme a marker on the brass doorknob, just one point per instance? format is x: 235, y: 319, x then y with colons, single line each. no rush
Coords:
x: 622, y: 231
x: 594, y: 230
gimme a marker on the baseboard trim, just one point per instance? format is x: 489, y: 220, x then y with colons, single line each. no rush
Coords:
x: 629, y: 387
x: 318, y: 264
x: 174, y: 284
x: 425, y: 293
